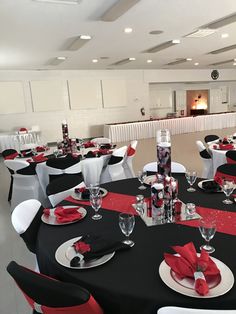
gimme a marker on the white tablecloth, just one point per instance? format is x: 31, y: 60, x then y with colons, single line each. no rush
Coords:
x: 15, y: 141
x: 218, y: 157
x: 147, y: 129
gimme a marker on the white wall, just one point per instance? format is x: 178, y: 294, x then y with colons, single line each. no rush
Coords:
x: 89, y: 122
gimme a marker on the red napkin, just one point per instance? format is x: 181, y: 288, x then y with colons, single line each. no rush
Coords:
x: 89, y: 144
x: 41, y: 148
x: 104, y: 151
x: 63, y: 214
x: 226, y: 146
x: 188, y: 264
x: 23, y: 130
x: 11, y: 156
x: 39, y: 158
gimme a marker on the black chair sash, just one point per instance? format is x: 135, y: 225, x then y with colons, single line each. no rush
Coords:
x: 65, y: 182
x: 204, y: 154
x: 231, y: 154
x: 62, y: 163
x: 210, y: 138
x: 114, y: 160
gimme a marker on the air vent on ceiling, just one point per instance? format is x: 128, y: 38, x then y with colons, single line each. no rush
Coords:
x: 179, y: 61
x: 223, y: 62
x: 57, y: 60
x: 123, y: 61
x: 78, y: 42
x: 118, y: 9
x: 221, y: 50
x: 202, y: 32
x: 222, y: 22
x: 162, y: 46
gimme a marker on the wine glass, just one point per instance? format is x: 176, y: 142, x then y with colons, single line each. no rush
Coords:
x: 227, y: 187
x: 207, y: 228
x: 94, y: 189
x: 191, y: 177
x: 141, y: 176
x: 96, y: 202
x: 126, y: 223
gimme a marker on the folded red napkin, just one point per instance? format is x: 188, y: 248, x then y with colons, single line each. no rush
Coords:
x: 189, y: 264
x: 23, y: 130
x: 41, y: 148
x: 89, y: 144
x: 11, y: 156
x: 104, y: 151
x: 63, y: 214
x: 226, y: 146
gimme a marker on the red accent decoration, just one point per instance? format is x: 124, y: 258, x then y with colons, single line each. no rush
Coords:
x: 23, y: 130
x: 219, y: 175
x: 80, y: 190
x: 230, y: 161
x: 11, y: 156
x: 226, y: 146
x: 130, y: 151
x: 81, y: 247
x: 89, y: 144
x: 39, y: 158
x: 64, y: 214
x: 159, y: 202
x: 188, y: 263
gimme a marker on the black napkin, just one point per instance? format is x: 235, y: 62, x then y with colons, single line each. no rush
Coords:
x: 105, y: 146
x: 95, y: 246
x: 211, y: 186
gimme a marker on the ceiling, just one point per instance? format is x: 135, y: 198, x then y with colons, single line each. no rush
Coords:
x: 33, y: 34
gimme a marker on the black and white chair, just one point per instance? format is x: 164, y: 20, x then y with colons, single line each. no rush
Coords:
x: 175, y: 167
x: 206, y: 158
x: 114, y: 170
x: 25, y: 182
x: 226, y: 171
x: 231, y: 156
x: 128, y: 161
x: 183, y: 310
x: 211, y: 138
x: 47, y: 295
x: 26, y: 219
x: 10, y: 154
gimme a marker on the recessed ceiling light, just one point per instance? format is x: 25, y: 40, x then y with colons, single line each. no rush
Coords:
x: 175, y: 41
x: 189, y: 59
x: 225, y: 35
x: 57, y: 60
x: 128, y: 30
x: 149, y: 61
x: 79, y: 42
x: 155, y: 32
x: 95, y: 60
x: 60, y: 1
x: 196, y: 63
x: 203, y: 32
x: 234, y: 63
x: 85, y: 37
x: 235, y: 59
x: 132, y: 59
x: 61, y: 58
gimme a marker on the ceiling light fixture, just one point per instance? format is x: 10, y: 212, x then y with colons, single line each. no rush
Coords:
x: 57, y: 60
x: 128, y: 30
x: 202, y: 32
x: 60, y: 1
x: 132, y: 59
x: 196, y: 63
x: 118, y: 9
x: 149, y: 61
x: 225, y: 35
x: 222, y: 22
x: 221, y: 50
x: 234, y: 63
x: 163, y: 46
x: 189, y: 59
x: 79, y: 42
x: 123, y: 61
x: 95, y: 60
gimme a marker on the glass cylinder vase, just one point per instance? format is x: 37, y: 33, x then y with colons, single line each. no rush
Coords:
x: 163, y: 153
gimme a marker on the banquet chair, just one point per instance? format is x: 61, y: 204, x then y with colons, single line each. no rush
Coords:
x: 211, y: 138
x: 101, y: 140
x: 206, y: 158
x: 128, y: 160
x: 183, y: 310
x: 61, y: 188
x: 25, y: 182
x: 92, y: 169
x: 9, y: 154
x: 26, y: 219
x: 114, y: 170
x: 231, y: 156
x: 175, y: 167
x: 47, y: 295
x: 226, y: 171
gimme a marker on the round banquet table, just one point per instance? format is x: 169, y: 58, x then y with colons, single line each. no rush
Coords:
x: 218, y: 157
x: 130, y: 282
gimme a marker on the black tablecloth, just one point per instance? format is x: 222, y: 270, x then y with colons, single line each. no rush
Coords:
x: 130, y: 283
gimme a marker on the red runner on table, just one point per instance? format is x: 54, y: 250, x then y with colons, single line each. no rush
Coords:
x: 225, y: 220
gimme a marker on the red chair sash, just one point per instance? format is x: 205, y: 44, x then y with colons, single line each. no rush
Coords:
x: 230, y: 161
x: 130, y: 151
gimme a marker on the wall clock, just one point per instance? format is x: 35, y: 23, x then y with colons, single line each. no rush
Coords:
x: 214, y: 74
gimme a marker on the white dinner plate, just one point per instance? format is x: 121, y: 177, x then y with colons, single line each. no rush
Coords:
x: 200, y: 185
x: 65, y: 252
x: 77, y: 196
x: 50, y: 220
x: 218, y: 287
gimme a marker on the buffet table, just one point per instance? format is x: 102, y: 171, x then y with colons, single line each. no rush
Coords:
x: 15, y: 140
x: 121, y: 132
x: 130, y: 281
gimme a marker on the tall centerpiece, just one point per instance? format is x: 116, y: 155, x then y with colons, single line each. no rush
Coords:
x: 66, y: 139
x: 163, y: 153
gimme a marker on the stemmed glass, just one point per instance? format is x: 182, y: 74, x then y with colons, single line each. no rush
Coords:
x: 141, y: 176
x: 227, y: 187
x: 191, y: 177
x: 126, y: 223
x: 94, y: 189
x: 207, y: 228
x: 96, y: 202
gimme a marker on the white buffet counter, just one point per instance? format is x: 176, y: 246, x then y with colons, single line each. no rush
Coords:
x: 147, y: 129
x: 14, y: 140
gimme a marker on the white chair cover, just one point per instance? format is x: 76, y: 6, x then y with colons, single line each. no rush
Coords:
x: 175, y: 167
x: 128, y: 160
x: 182, y: 310
x: 101, y: 140
x: 207, y: 171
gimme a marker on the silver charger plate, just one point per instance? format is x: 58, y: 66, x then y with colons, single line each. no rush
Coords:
x: 201, y: 187
x: 221, y: 285
x: 77, y: 196
x: 52, y: 220
x: 65, y: 252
